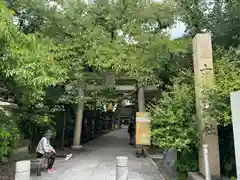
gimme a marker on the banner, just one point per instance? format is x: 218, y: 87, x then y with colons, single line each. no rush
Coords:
x: 143, y: 132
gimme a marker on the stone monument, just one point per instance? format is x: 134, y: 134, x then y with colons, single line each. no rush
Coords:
x: 204, y: 78
x: 235, y: 107
x: 170, y: 160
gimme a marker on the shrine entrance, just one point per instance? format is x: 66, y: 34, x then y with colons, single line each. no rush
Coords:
x: 87, y: 124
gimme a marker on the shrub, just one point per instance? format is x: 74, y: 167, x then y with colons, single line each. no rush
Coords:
x: 173, y: 116
x: 8, y: 136
x: 174, y: 122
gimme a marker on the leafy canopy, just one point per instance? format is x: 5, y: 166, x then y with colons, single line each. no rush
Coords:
x: 27, y: 60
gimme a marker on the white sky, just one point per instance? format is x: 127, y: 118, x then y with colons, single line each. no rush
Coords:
x: 178, y: 30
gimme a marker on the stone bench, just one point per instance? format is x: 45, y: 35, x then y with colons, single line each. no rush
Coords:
x: 40, y: 163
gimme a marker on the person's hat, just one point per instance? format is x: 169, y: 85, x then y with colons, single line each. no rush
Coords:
x: 48, y: 132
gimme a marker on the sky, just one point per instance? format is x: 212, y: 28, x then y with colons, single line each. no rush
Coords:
x: 179, y: 28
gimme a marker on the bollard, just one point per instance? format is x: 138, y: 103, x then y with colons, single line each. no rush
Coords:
x: 206, y: 162
x: 122, y: 168
x: 23, y: 170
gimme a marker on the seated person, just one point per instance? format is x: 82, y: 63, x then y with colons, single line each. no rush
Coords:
x: 45, y: 150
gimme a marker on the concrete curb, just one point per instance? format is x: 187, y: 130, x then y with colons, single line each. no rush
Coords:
x: 162, y: 174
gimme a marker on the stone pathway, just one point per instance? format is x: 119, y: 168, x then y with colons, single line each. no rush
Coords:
x: 98, y: 161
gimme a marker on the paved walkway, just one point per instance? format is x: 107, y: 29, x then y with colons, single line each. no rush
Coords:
x: 98, y: 162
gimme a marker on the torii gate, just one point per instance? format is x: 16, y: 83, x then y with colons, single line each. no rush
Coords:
x: 110, y: 82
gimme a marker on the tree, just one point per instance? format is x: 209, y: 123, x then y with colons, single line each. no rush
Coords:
x: 227, y: 80
x: 27, y: 60
x: 123, y: 36
x: 219, y: 17
x: 127, y: 37
x: 27, y: 68
x: 194, y: 15
x: 119, y: 36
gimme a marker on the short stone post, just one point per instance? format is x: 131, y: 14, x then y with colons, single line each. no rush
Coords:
x: 23, y: 170
x: 206, y: 162
x: 122, y: 168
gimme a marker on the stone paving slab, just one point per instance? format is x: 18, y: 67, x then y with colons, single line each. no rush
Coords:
x: 98, y: 161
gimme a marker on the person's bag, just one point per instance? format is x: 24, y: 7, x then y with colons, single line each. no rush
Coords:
x: 47, y: 155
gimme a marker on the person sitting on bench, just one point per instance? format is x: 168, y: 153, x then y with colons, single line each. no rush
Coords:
x: 45, y: 150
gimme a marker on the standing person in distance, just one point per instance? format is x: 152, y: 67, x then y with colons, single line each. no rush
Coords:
x: 131, y: 132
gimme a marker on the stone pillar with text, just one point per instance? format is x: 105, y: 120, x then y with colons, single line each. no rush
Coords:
x: 204, y: 80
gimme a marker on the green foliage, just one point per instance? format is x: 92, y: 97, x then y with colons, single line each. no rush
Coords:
x: 123, y: 37
x: 8, y: 136
x: 27, y: 60
x: 223, y: 23
x: 182, y: 176
x: 173, y: 117
x: 33, y: 124
x: 174, y: 122
x: 28, y: 66
x: 188, y: 161
x: 222, y: 20
x: 193, y: 14
x: 227, y: 73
